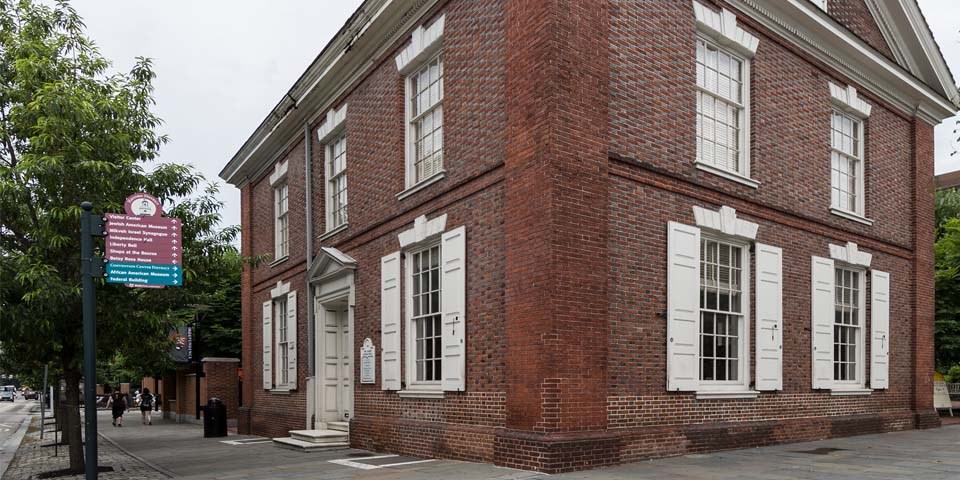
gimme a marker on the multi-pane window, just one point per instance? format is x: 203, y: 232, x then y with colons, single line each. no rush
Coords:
x: 846, y: 324
x: 337, y: 182
x: 426, y: 120
x: 846, y: 138
x: 721, y: 310
x: 720, y: 108
x: 282, y: 234
x: 426, y: 318
x: 283, y: 342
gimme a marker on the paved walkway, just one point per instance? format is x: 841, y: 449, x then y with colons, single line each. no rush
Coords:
x: 167, y: 449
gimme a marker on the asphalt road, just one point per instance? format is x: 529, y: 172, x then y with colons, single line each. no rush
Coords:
x: 14, y: 420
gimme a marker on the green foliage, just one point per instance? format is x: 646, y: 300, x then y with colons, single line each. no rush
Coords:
x: 947, y: 249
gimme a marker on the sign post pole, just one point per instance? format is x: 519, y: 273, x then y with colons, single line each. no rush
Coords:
x: 91, y: 267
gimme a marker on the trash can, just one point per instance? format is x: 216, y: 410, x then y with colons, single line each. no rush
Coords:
x: 215, y: 418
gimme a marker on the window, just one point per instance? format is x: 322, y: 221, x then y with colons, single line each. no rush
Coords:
x: 426, y: 314
x: 282, y: 234
x: 846, y: 140
x: 721, y: 109
x: 847, y: 325
x: 283, y: 342
x: 337, y: 182
x: 721, y: 311
x: 425, y: 112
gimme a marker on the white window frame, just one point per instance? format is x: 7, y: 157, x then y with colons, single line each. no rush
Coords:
x: 856, y: 156
x: 411, y: 351
x: 847, y: 101
x: 330, y: 149
x: 281, y: 342
x: 742, y: 384
x: 412, y: 182
x: 859, y: 382
x: 281, y: 204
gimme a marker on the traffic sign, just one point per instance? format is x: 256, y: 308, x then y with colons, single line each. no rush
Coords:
x: 144, y: 274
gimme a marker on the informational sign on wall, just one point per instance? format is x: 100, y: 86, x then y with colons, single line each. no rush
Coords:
x: 368, y: 362
x: 144, y: 249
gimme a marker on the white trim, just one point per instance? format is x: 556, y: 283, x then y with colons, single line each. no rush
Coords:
x: 278, y: 261
x: 422, y: 230
x: 436, y: 177
x: 847, y: 100
x: 723, y: 395
x: 416, y: 393
x: 330, y: 233
x: 850, y: 254
x: 722, y: 27
x: 424, y: 42
x: 726, y: 222
x: 727, y: 174
x: 842, y: 392
x: 279, y: 173
x: 280, y: 290
x: 850, y: 215
x: 333, y: 124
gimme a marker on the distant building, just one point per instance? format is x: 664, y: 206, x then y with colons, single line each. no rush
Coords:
x: 588, y: 232
x: 948, y: 180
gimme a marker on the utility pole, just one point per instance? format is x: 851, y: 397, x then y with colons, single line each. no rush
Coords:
x: 90, y: 267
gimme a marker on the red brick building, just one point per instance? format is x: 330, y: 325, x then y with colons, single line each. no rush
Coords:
x: 578, y: 233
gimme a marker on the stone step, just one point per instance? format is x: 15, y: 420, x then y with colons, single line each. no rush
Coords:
x: 319, y: 436
x: 302, y: 446
x: 338, y: 426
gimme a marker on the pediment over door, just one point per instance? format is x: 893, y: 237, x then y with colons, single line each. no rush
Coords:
x: 330, y: 262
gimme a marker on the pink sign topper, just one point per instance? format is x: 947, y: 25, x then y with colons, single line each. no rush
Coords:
x: 143, y: 204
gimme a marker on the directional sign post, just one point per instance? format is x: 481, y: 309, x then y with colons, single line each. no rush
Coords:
x: 143, y: 248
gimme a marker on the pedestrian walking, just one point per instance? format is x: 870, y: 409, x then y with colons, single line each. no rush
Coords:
x: 146, y: 406
x: 119, y: 407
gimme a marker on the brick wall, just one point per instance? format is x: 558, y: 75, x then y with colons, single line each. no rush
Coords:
x: 855, y: 15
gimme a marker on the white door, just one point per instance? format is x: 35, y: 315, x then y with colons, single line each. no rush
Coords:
x: 336, y: 388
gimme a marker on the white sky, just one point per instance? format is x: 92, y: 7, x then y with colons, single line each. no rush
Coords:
x: 222, y: 65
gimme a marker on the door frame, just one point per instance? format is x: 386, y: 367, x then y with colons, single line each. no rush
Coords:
x: 320, y: 309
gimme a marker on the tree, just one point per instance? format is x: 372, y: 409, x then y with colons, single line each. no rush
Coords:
x: 73, y: 132
x: 947, y: 251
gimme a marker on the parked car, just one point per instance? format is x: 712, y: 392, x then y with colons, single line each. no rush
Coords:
x: 31, y: 395
x: 8, y: 392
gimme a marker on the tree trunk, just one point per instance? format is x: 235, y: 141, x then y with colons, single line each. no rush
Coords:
x: 72, y: 421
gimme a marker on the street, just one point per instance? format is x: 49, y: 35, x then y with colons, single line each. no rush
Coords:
x: 14, y: 420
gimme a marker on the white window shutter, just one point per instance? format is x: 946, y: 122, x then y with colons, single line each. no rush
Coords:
x: 453, y: 257
x: 390, y: 322
x: 821, y: 315
x: 268, y: 345
x: 683, y: 306
x: 769, y: 331
x: 879, y: 329
x: 291, y: 365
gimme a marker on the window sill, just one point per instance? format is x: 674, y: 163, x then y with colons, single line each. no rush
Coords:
x: 736, y: 177
x: 722, y: 395
x: 420, y: 186
x: 278, y: 261
x: 333, y: 232
x: 851, y: 216
x: 435, y: 394
x: 850, y: 391
x: 280, y: 391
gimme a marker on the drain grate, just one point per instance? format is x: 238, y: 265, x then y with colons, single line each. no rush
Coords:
x: 822, y: 450
x: 359, y: 454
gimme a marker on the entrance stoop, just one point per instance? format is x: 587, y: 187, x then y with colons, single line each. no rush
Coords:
x: 338, y: 426
x: 313, y: 440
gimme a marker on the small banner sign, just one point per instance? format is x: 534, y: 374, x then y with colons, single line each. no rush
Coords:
x: 368, y: 362
x: 143, y: 248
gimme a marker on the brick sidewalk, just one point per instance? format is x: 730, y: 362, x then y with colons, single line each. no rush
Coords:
x: 32, y: 459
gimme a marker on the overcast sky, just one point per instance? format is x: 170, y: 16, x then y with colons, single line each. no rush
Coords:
x: 222, y: 65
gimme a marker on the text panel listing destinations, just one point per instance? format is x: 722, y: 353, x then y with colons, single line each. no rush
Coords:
x: 143, y: 250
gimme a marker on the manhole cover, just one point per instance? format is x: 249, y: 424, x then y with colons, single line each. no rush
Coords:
x: 822, y: 450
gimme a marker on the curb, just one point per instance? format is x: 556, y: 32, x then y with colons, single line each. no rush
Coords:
x: 138, y: 458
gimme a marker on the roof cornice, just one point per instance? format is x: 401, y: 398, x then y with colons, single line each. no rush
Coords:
x: 814, y: 32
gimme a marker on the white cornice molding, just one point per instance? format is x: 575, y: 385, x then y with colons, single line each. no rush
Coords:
x: 930, y: 48
x: 332, y: 125
x: 423, y: 43
x: 423, y: 229
x: 279, y: 173
x: 846, y: 99
x: 726, y: 222
x: 850, y: 254
x: 882, y: 15
x: 813, y: 32
x: 722, y: 27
